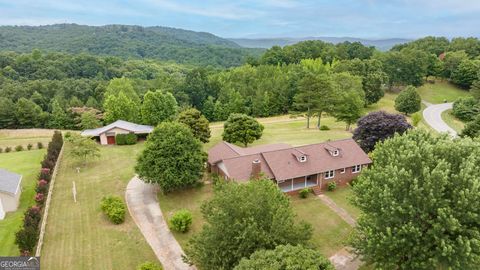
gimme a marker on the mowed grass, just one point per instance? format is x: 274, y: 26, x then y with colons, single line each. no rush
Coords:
x: 441, y: 91
x: 341, y: 196
x: 452, y: 121
x: 329, y: 230
x: 23, y: 137
x: 78, y: 235
x: 27, y: 164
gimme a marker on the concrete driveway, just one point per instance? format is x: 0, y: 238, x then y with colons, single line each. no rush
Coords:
x: 143, y: 206
x: 433, y: 116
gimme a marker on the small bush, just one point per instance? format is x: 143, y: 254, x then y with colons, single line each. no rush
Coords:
x: 68, y: 135
x: 40, y: 198
x: 416, y: 118
x: 181, y: 221
x: 324, y: 127
x: 332, y: 186
x: 32, y: 217
x: 26, y: 239
x: 304, y: 192
x: 45, y: 174
x: 466, y: 108
x: 42, y: 187
x: 29, y: 146
x: 149, y: 266
x: 18, y: 148
x: 353, y: 182
x: 8, y: 149
x: 1, y: 150
x: 126, y: 139
x: 114, y: 208
x: 39, y: 145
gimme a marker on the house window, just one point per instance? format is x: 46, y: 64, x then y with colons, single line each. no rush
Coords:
x: 329, y: 174
x: 356, y: 168
x: 303, y: 158
x: 342, y: 170
x: 335, y: 153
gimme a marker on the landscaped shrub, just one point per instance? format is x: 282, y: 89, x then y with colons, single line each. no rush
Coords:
x: 114, y: 208
x: 181, y: 221
x: 45, y: 174
x: 126, y: 139
x: 40, y: 198
x: 324, y: 127
x: 332, y: 186
x: 416, y: 118
x: 149, y: 266
x: 26, y: 239
x: 39, y: 145
x: 466, y: 108
x: 18, y: 148
x: 304, y: 192
x: 42, y: 187
x: 29, y: 146
x: 8, y: 149
x: 32, y: 217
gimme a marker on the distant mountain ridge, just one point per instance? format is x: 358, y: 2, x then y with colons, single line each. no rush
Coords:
x: 127, y: 41
x: 381, y: 44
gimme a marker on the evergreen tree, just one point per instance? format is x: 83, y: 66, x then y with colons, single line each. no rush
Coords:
x: 197, y: 123
x: 75, y: 102
x: 28, y: 114
x: 208, y: 108
x: 7, y: 113
x: 408, y: 101
x: 59, y: 118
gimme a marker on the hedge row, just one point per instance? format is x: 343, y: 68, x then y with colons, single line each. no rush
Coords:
x: 19, y: 148
x: 27, y: 238
x: 126, y: 139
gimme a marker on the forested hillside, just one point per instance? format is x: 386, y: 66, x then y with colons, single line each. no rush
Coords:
x: 161, y: 43
x: 44, y: 89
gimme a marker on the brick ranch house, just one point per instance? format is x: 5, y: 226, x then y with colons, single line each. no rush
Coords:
x: 292, y: 168
x: 106, y: 135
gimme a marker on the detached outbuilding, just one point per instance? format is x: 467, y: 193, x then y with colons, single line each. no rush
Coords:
x: 106, y: 135
x: 10, y: 191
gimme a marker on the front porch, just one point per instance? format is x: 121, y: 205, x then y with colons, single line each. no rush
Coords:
x: 299, y: 183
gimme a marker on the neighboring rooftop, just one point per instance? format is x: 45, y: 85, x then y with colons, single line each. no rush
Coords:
x: 9, y: 182
x: 135, y: 128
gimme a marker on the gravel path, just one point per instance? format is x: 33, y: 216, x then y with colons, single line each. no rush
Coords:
x: 433, y: 116
x: 143, y: 206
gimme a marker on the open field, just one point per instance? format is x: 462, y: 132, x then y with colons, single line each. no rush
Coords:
x: 452, y: 121
x: 441, y: 91
x: 330, y: 231
x: 341, y: 197
x: 14, y: 137
x: 78, y: 235
x: 26, y: 163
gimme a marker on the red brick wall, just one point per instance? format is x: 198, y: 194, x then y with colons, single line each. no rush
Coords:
x: 341, y: 179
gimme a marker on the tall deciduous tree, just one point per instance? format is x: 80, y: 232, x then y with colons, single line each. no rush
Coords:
x: 472, y: 128
x: 122, y: 85
x: 420, y: 202
x: 475, y: 88
x: 157, y: 107
x: 285, y: 257
x: 408, y: 101
x: 120, y: 108
x: 28, y: 113
x: 7, y: 113
x: 173, y: 158
x: 196, y: 122
x: 244, y: 218
x: 59, y: 118
x: 88, y: 120
x: 378, y: 126
x: 82, y: 148
x: 242, y: 128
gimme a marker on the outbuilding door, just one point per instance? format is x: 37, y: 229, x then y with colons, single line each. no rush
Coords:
x: 110, y: 139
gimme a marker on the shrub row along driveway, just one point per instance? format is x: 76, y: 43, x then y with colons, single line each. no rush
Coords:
x: 143, y: 206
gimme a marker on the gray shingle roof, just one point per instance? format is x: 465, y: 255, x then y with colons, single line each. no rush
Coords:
x: 135, y: 128
x: 9, y: 182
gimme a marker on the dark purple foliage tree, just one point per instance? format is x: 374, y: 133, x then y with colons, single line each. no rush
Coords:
x: 378, y: 126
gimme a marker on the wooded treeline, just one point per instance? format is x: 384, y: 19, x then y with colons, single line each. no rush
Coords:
x: 310, y: 77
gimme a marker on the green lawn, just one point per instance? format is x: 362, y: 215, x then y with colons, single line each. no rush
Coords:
x: 441, y: 91
x: 78, y: 235
x: 26, y: 163
x: 341, y: 197
x: 330, y: 231
x: 452, y: 121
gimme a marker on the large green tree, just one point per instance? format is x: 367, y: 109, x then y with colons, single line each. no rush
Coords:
x: 88, y: 120
x: 241, y: 128
x: 472, y: 128
x: 173, y: 158
x: 196, y: 122
x: 82, y: 148
x: 408, y: 101
x: 420, y: 202
x: 466, y: 73
x: 157, y: 107
x: 59, y: 118
x: 241, y: 219
x: 120, y: 107
x: 28, y: 114
x: 286, y: 257
x: 122, y: 85
x: 7, y: 113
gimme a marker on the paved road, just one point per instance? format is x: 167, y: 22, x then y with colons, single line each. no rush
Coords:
x: 143, y: 206
x: 433, y: 116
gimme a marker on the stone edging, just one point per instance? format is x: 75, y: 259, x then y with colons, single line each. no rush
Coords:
x: 47, y: 203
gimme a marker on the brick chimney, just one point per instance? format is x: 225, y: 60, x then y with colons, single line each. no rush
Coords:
x: 256, y: 168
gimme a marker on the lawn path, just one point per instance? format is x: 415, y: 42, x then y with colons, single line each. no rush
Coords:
x: 433, y: 116
x: 343, y: 259
x: 145, y: 210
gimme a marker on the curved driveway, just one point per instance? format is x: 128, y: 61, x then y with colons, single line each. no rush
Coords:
x: 143, y: 206
x: 433, y: 116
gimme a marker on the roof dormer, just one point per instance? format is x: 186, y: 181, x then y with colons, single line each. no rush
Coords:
x: 299, y: 155
x: 334, y: 151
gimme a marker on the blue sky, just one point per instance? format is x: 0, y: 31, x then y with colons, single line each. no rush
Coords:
x: 263, y: 18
